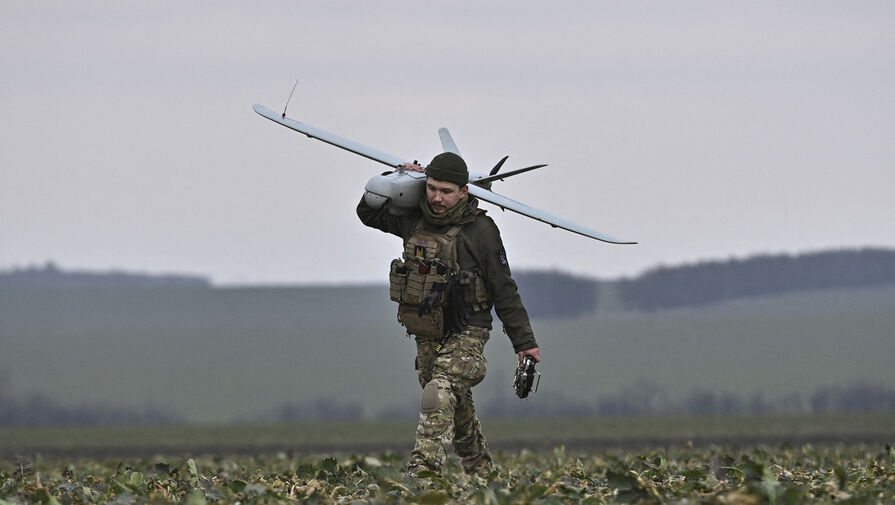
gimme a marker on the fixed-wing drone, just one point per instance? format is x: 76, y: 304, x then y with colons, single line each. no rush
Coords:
x: 404, y: 188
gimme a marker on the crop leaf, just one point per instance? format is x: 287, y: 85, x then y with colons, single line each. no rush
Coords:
x: 433, y: 498
x: 329, y: 465
x: 197, y: 497
x: 238, y: 485
x: 194, y: 473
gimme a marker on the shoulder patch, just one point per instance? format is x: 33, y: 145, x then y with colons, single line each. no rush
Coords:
x: 502, y: 257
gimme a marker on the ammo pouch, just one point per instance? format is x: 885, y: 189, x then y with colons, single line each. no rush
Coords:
x: 397, y: 280
x: 428, y: 326
x: 408, y: 284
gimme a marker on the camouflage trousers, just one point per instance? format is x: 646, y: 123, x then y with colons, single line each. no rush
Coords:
x: 447, y: 413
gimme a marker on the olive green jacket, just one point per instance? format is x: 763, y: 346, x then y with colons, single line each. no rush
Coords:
x: 478, y: 247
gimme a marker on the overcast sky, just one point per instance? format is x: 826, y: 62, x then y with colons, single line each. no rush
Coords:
x: 701, y: 129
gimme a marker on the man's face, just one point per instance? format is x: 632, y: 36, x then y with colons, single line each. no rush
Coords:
x: 442, y: 195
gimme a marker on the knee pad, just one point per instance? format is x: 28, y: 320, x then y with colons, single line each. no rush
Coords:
x: 430, y: 403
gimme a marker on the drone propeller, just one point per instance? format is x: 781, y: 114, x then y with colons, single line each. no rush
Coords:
x: 494, y: 177
x: 497, y: 167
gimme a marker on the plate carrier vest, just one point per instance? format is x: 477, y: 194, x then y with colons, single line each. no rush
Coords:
x: 420, y: 280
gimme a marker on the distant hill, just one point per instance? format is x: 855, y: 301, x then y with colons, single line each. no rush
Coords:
x: 559, y: 295
x: 556, y: 294
x: 717, y: 281
x: 106, y: 347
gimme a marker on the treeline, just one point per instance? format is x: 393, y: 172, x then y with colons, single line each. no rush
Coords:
x: 651, y: 399
x: 644, y: 399
x: 38, y: 410
x: 641, y: 399
x: 716, y: 281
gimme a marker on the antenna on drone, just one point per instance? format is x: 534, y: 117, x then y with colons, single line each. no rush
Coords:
x: 290, y: 97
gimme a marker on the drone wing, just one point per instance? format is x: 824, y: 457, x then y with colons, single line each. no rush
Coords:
x: 331, y: 138
x: 449, y: 145
x: 544, y: 217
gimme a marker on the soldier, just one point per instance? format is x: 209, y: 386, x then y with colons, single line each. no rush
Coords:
x: 453, y: 271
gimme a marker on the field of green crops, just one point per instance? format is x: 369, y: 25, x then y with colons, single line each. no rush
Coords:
x: 784, y: 475
x: 717, y: 460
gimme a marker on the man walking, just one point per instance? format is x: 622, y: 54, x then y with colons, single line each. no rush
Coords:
x: 454, y: 270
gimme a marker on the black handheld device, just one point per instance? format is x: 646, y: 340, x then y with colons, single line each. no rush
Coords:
x: 527, y: 379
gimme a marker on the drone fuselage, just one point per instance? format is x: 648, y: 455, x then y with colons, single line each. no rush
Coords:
x: 402, y: 189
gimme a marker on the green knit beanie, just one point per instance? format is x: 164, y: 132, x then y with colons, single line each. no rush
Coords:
x: 448, y: 167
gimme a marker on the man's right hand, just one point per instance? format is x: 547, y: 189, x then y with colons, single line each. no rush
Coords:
x: 534, y: 353
x: 413, y: 167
